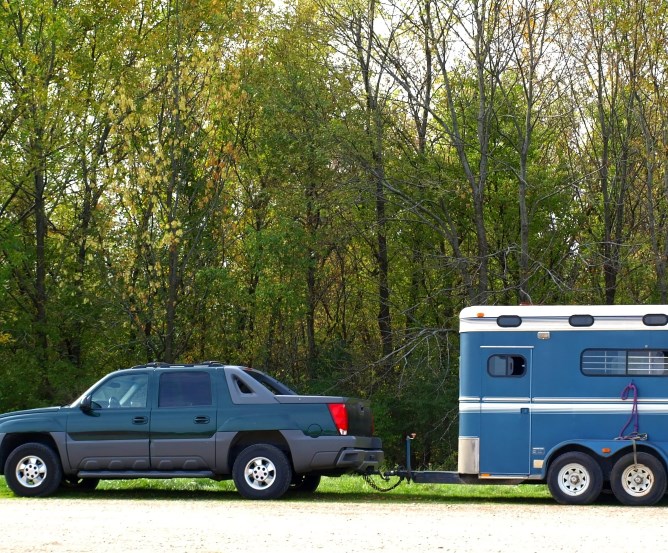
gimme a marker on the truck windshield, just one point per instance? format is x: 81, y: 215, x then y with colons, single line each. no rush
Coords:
x: 274, y: 386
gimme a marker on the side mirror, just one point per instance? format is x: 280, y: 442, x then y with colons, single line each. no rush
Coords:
x: 88, y: 407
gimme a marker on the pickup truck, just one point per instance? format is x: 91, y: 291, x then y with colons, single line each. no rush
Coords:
x: 205, y: 420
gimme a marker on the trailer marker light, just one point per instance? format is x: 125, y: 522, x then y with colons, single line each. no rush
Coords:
x: 480, y: 315
x: 605, y: 450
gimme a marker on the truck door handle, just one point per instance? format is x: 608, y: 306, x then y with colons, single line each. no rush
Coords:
x: 524, y: 410
x: 202, y: 420
x: 139, y: 420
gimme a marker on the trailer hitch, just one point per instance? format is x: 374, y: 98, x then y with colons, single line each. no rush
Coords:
x: 401, y: 473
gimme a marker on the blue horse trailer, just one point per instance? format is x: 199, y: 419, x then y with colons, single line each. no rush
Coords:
x: 572, y: 396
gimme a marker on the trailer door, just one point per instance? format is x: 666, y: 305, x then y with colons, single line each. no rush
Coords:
x: 505, y: 414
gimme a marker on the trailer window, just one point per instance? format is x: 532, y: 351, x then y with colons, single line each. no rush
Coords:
x: 506, y: 365
x: 644, y: 362
x: 620, y: 362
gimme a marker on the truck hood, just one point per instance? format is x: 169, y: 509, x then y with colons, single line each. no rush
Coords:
x: 29, y: 413
x: 47, y: 419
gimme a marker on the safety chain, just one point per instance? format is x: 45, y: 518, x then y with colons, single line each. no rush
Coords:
x: 368, y: 480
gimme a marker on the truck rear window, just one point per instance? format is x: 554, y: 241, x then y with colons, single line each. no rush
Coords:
x: 185, y: 389
x: 274, y: 386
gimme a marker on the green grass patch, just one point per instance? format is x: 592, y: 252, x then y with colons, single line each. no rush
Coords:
x: 343, y: 489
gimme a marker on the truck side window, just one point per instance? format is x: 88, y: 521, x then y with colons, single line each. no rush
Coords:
x: 185, y: 389
x: 121, y: 391
x: 506, y: 365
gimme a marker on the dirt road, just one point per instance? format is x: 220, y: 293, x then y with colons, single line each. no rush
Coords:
x: 98, y: 524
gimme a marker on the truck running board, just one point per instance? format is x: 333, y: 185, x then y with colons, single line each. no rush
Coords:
x: 131, y: 474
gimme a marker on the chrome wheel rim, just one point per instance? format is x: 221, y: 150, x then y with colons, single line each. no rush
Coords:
x: 260, y: 473
x: 31, y: 471
x: 573, y: 479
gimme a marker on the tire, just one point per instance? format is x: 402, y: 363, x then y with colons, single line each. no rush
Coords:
x: 575, y: 478
x: 33, y: 470
x: 262, y: 472
x: 305, y: 483
x: 638, y: 484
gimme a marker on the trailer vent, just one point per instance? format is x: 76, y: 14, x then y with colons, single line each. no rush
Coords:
x: 655, y: 319
x: 581, y: 320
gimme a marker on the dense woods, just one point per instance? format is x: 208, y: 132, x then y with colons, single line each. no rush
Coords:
x: 317, y: 187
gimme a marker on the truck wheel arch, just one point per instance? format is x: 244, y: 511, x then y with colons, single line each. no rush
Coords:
x: 12, y: 441
x: 244, y: 439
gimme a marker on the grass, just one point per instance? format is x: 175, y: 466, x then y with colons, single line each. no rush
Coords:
x: 343, y: 489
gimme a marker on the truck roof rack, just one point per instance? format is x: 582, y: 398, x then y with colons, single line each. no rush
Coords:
x: 152, y: 365
x: 163, y: 365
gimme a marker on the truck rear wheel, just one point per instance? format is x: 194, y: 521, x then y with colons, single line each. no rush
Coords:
x: 262, y: 471
x: 575, y: 478
x: 305, y: 483
x: 638, y: 479
x: 75, y: 483
x: 33, y: 470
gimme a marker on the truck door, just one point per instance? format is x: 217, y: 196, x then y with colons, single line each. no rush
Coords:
x: 183, y: 421
x: 112, y: 432
x: 505, y: 414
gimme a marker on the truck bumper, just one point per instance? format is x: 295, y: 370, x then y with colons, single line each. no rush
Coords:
x: 360, y: 460
x: 334, y: 453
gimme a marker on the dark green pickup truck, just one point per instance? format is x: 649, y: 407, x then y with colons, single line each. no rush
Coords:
x: 205, y: 420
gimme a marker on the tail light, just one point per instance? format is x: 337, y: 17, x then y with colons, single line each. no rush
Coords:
x: 339, y: 416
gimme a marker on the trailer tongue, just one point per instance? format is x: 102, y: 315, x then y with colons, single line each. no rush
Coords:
x: 428, y: 476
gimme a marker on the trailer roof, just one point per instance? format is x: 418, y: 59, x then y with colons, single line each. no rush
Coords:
x: 485, y: 318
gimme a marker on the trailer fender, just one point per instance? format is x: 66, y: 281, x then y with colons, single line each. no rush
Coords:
x: 604, y: 451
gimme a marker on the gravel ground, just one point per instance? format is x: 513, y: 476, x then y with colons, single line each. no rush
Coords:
x: 98, y: 524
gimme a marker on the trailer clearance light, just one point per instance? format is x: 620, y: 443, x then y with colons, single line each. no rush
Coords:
x: 339, y: 416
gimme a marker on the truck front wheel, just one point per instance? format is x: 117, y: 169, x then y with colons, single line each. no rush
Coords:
x: 262, y: 471
x: 33, y: 470
x: 575, y: 478
x: 638, y: 479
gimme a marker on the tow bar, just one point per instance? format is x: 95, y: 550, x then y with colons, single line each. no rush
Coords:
x: 401, y: 473
x: 422, y: 476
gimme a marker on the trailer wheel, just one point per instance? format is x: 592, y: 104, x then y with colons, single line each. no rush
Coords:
x: 638, y: 480
x: 575, y: 478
